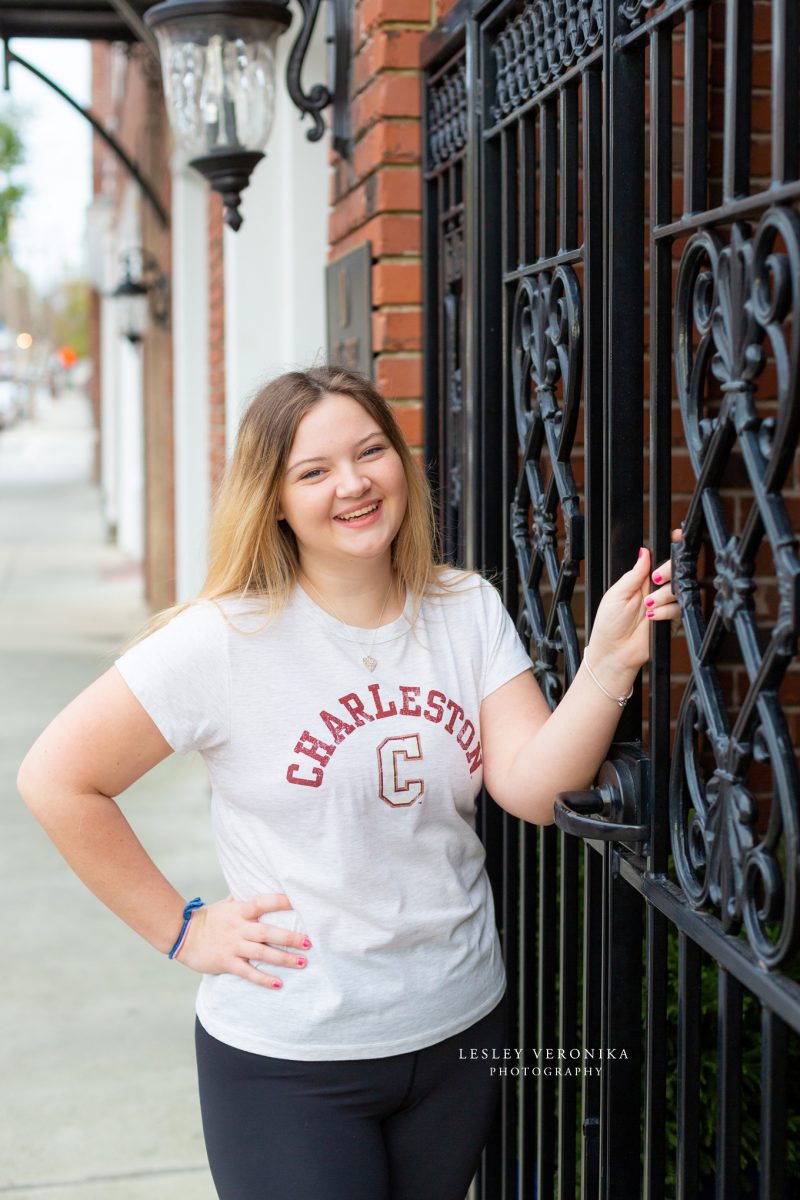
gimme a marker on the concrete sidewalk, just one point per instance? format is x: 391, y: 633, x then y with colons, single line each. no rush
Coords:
x: 98, y: 1079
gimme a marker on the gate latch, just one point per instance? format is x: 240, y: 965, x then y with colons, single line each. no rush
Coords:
x: 613, y: 810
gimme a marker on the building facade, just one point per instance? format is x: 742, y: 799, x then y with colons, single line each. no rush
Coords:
x: 583, y: 223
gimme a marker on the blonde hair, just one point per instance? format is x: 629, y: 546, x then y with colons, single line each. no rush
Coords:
x: 251, y: 552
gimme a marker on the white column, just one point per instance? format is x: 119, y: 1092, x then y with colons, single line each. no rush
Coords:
x: 130, y: 450
x: 128, y: 396
x: 190, y: 364
x: 275, y: 264
x: 108, y: 419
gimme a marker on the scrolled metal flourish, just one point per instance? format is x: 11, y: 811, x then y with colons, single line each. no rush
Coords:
x: 540, y: 44
x: 547, y: 335
x: 447, y: 116
x: 733, y: 302
x: 634, y: 11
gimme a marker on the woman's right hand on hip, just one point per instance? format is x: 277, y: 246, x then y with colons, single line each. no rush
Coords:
x: 227, y: 938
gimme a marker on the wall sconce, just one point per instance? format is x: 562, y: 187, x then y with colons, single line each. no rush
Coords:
x: 218, y: 67
x: 143, y: 290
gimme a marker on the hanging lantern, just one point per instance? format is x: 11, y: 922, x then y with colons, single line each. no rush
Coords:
x: 143, y: 292
x: 218, y: 65
x: 132, y: 297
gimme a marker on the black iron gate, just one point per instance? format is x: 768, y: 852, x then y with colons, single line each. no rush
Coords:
x: 612, y: 265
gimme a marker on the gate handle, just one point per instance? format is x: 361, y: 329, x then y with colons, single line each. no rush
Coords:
x: 607, y: 812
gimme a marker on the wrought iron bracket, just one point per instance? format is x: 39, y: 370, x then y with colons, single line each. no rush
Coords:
x: 613, y: 810
x: 130, y: 166
x: 320, y: 96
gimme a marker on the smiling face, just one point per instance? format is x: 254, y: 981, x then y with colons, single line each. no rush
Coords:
x: 342, y: 460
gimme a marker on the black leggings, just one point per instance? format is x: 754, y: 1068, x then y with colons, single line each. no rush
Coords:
x: 406, y: 1127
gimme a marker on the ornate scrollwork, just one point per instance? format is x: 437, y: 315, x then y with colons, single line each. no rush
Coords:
x: 732, y: 301
x: 541, y: 43
x: 547, y: 333
x: 635, y: 11
x: 447, y: 116
x: 733, y: 586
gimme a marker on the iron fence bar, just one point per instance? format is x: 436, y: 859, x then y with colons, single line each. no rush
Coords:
x: 548, y: 176
x: 729, y: 1084
x: 491, y: 834
x: 624, y: 340
x: 546, y: 1015
x: 738, y: 82
x: 660, y: 431
x: 655, y: 1125
x: 497, y: 453
x: 528, y: 1006
x: 622, y: 448
x: 527, y: 185
x: 591, y: 1016
x: 655, y: 1075
x: 512, y: 900
x: 605, y: 992
x: 568, y: 173
x: 621, y: 1172
x: 472, y: 398
x: 688, y: 1069
x: 441, y: 389
x: 565, y: 258
x: 695, y: 112
x: 430, y: 318
x: 777, y: 991
x: 785, y: 121
x: 594, y: 573
x: 773, y: 1147
x: 593, y: 307
x: 509, y: 198
x: 506, y: 1167
x: 726, y: 214
x: 453, y: 211
x: 569, y: 916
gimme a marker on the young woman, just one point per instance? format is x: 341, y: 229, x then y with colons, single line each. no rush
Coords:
x: 349, y: 696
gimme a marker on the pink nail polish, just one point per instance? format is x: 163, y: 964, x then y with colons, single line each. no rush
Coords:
x: 649, y: 601
x: 301, y: 962
x: 277, y: 984
x: 306, y: 944
x: 656, y: 579
x: 651, y: 613
x: 641, y: 552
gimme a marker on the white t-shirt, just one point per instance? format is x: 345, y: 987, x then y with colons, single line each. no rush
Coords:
x: 354, y: 793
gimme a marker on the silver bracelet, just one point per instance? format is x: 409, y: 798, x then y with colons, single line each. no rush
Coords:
x: 620, y: 700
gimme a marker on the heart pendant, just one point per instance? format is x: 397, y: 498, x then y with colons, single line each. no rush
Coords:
x: 369, y: 662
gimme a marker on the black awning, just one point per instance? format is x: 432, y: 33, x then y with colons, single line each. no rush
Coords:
x: 95, y: 20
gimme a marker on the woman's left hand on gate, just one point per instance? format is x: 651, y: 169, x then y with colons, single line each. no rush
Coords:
x: 640, y: 597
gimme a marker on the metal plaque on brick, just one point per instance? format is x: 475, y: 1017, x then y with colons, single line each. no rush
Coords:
x: 349, y: 310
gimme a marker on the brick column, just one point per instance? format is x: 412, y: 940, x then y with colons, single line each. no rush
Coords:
x: 378, y: 197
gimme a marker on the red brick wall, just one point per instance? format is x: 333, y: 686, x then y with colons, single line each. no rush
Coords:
x: 151, y: 136
x: 140, y: 125
x: 378, y: 196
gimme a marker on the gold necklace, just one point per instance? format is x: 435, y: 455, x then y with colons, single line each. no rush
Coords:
x: 367, y: 659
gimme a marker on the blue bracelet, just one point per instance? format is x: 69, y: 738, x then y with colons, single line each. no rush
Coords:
x: 187, y: 916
